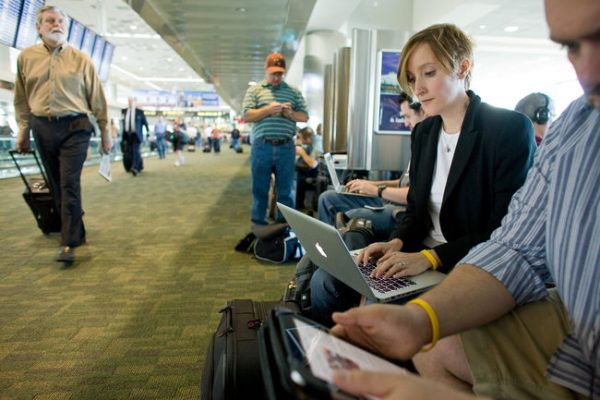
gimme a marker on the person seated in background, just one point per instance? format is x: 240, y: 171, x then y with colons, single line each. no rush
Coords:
x: 306, y: 164
x: 539, y: 107
x: 467, y: 160
x: 505, y: 334
x: 382, y: 208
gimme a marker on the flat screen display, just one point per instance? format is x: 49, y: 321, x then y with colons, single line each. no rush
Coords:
x: 76, y: 30
x: 107, y: 56
x: 27, y: 33
x: 9, y: 15
x: 87, y: 44
x: 97, y: 52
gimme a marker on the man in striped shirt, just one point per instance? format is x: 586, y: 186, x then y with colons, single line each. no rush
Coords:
x: 274, y: 107
x: 520, y: 339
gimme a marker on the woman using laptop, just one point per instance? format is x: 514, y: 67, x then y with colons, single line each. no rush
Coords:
x: 468, y: 158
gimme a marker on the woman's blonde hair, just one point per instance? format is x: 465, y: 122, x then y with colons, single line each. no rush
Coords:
x: 449, y: 44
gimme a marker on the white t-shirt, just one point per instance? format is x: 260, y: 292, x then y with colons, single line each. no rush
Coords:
x: 445, y: 152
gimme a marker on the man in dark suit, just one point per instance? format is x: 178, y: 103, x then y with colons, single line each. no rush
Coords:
x: 132, y: 121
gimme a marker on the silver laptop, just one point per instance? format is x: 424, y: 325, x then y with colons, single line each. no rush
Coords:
x: 326, y: 248
x: 337, y: 186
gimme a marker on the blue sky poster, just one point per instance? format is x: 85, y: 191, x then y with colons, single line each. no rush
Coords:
x: 389, y: 119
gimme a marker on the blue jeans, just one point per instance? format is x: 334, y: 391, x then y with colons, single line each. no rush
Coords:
x: 331, y: 202
x: 328, y: 294
x: 266, y: 159
x: 161, y: 147
x: 384, y: 220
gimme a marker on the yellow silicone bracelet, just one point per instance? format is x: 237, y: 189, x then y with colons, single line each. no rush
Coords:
x: 435, y: 324
x: 431, y: 258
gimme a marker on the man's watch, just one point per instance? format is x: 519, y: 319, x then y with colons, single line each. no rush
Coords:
x: 380, y: 189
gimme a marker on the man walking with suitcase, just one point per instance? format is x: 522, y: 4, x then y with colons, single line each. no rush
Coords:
x: 56, y: 88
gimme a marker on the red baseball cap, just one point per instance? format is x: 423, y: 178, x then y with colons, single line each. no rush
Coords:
x: 275, y: 63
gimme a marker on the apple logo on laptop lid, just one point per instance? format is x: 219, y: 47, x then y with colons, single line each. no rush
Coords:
x: 320, y: 250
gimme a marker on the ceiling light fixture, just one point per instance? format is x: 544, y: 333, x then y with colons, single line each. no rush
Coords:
x: 133, y: 35
x: 133, y: 27
x: 155, y: 78
x: 241, y: 9
x: 153, y: 86
x: 511, y: 28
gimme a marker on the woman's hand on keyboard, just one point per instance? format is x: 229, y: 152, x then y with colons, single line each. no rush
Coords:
x: 398, y: 264
x: 378, y: 249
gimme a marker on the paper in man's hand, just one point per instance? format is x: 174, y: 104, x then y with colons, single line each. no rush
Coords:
x: 104, y: 169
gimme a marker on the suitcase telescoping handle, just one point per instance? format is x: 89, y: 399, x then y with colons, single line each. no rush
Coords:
x: 12, y: 153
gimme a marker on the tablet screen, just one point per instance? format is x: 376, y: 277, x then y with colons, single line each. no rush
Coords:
x: 323, y: 352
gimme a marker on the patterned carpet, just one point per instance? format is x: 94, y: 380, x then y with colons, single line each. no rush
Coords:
x: 133, y: 317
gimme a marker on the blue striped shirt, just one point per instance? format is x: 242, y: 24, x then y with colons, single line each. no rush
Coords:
x: 552, y: 230
x: 274, y: 126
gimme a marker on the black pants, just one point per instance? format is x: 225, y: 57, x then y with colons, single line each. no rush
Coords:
x: 62, y: 146
x: 134, y: 149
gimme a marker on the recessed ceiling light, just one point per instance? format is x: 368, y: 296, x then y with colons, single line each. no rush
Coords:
x: 241, y: 9
x: 482, y: 27
x: 124, y: 58
x: 511, y: 28
x: 169, y: 59
x: 133, y: 27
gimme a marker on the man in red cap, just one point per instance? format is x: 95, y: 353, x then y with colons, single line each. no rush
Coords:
x: 274, y: 107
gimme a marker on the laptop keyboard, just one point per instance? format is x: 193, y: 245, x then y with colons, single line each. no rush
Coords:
x: 384, y: 285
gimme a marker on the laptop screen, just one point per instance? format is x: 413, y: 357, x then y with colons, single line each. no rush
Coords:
x: 332, y: 172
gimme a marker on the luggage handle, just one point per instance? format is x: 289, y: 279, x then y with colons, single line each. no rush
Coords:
x: 12, y: 153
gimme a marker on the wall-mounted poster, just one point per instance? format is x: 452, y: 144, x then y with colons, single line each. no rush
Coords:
x: 388, y: 119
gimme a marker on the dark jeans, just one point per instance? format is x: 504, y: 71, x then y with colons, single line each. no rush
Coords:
x: 62, y: 146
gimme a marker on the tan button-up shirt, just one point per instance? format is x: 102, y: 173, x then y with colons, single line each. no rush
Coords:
x: 57, y: 83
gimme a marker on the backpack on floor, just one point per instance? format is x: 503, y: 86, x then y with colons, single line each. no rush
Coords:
x: 278, y: 246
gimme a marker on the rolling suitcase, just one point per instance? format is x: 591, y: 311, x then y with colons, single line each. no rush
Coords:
x: 232, y: 364
x: 38, y: 197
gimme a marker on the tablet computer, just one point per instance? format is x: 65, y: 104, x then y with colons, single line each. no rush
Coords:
x: 302, y: 356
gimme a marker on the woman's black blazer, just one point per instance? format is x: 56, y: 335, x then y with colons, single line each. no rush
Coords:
x: 494, y: 152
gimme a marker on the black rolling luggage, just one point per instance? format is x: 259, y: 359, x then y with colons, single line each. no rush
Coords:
x: 232, y: 365
x: 37, y: 195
